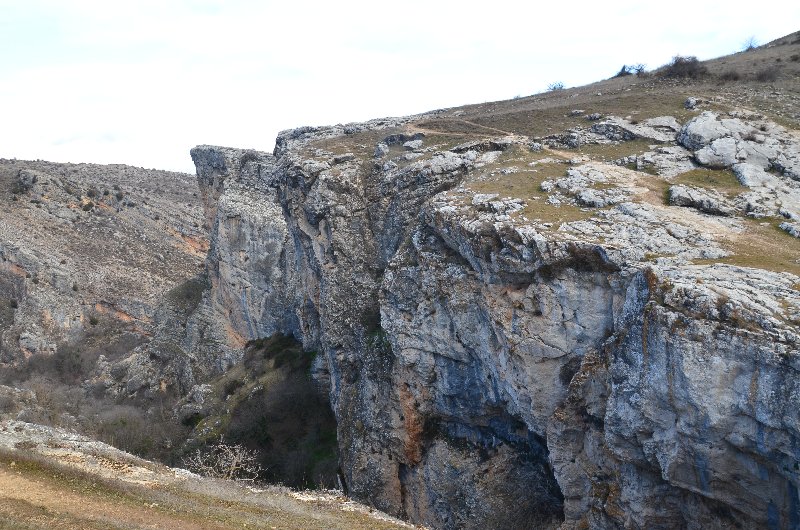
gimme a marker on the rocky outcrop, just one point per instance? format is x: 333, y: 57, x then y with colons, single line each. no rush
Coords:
x: 719, y: 141
x: 551, y: 357
x: 708, y: 201
x: 252, y: 280
x: 661, y: 129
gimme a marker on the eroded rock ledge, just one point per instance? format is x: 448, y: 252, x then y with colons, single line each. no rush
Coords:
x: 513, y: 337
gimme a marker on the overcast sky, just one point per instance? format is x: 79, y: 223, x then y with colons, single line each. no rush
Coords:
x: 141, y: 82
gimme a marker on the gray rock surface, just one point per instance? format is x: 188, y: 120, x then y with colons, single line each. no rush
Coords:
x: 667, y: 161
x: 769, y: 194
x: 792, y: 229
x: 705, y: 200
x: 722, y: 142
x: 631, y: 408
x: 547, y: 357
x: 252, y: 283
x: 661, y: 129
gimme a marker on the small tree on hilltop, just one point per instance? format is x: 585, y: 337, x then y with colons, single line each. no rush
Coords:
x: 623, y: 71
x: 750, y: 44
x: 631, y: 69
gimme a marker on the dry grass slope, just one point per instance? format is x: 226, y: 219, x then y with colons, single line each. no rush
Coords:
x: 37, y: 492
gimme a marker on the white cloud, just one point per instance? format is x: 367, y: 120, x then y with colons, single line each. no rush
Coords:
x: 142, y: 82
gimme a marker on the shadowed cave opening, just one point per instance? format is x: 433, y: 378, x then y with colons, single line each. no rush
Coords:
x: 270, y: 404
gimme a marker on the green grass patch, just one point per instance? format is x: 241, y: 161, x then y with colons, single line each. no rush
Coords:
x: 361, y: 144
x: 522, y: 184
x: 544, y: 212
x: 721, y: 180
x: 614, y: 151
x: 527, y: 187
x: 526, y: 184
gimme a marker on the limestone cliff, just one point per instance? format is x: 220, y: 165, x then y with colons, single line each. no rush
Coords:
x: 576, y: 309
x: 524, y: 332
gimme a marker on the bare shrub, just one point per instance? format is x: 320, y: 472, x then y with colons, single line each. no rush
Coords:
x: 25, y: 445
x: 188, y: 295
x: 768, y: 75
x: 631, y: 69
x: 7, y: 404
x: 225, y: 461
x: 248, y: 156
x: 684, y: 67
x: 124, y: 427
x: 53, y: 401
x: 730, y: 75
x: 133, y: 430
x: 70, y: 364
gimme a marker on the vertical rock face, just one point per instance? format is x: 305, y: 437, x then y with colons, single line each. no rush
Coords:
x: 490, y: 371
x: 251, y: 284
x: 473, y: 351
x: 685, y: 415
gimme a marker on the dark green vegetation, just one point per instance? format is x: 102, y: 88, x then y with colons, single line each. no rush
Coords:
x: 188, y: 295
x: 684, y: 67
x: 270, y: 404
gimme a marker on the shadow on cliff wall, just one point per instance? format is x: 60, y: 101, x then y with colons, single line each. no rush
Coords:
x: 269, y: 404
